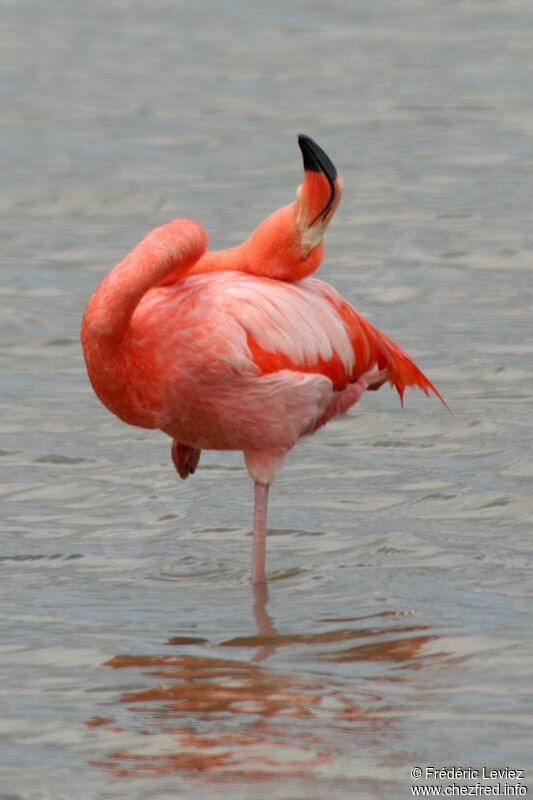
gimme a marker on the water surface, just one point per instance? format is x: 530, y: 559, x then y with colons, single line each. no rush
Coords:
x: 136, y: 659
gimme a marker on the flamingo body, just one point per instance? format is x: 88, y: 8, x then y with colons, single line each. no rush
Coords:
x: 237, y: 349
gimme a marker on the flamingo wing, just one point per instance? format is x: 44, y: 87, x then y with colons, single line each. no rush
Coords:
x: 306, y: 326
x: 250, y: 363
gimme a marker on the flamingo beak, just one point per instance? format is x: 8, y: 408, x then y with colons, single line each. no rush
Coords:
x: 318, y: 196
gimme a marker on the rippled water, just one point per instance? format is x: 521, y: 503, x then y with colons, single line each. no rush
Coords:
x: 136, y: 659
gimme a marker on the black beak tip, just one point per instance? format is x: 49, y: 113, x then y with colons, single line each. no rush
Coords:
x: 315, y: 159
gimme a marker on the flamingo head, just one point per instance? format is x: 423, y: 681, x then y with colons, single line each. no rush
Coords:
x: 318, y: 196
x: 288, y: 245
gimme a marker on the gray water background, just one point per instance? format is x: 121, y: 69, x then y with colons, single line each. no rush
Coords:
x: 135, y: 660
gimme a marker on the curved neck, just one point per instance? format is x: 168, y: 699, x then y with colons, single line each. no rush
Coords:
x: 233, y: 258
x: 164, y: 255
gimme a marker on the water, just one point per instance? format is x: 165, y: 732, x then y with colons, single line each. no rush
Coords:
x: 136, y: 660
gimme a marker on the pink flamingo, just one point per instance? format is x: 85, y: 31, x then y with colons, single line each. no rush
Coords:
x: 238, y: 349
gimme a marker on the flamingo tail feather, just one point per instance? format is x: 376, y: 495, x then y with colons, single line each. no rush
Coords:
x: 403, y: 371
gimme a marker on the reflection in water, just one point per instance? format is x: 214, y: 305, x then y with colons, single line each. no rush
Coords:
x: 217, y: 716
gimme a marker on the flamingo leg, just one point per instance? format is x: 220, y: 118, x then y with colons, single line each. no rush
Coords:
x: 260, y: 530
x: 185, y: 458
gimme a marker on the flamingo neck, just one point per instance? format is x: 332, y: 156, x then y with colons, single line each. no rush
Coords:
x: 163, y: 256
x: 233, y: 258
x: 279, y: 263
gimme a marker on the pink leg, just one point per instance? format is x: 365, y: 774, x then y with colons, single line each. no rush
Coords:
x: 259, y: 540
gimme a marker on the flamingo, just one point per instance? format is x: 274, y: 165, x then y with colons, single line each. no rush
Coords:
x: 238, y: 349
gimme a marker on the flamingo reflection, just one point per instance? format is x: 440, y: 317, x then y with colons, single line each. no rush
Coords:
x: 215, y: 716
